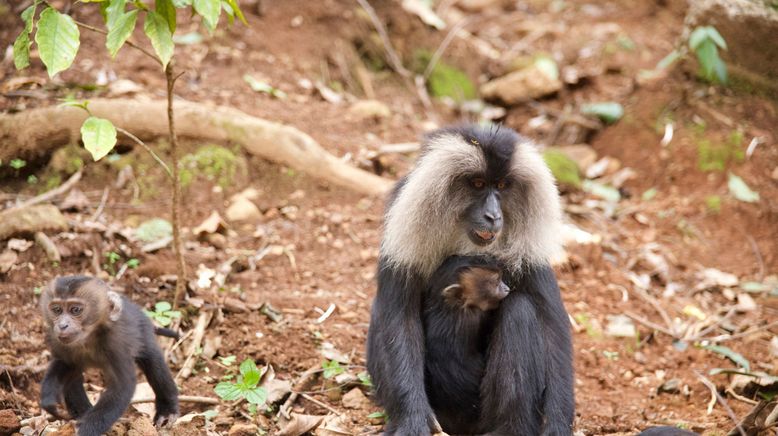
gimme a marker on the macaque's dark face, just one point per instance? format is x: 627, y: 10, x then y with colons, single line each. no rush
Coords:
x: 483, y: 218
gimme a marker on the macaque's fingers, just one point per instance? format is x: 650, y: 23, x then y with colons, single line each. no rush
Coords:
x: 165, y: 421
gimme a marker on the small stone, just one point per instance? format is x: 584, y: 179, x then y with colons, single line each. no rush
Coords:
x: 242, y: 429
x: 620, y: 326
x: 8, y: 259
x: 242, y: 209
x: 370, y: 109
x: 529, y: 83
x: 9, y: 422
x: 355, y: 399
x: 672, y: 386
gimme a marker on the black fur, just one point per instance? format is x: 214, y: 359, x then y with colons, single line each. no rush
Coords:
x: 527, y: 384
x: 114, y: 349
x: 456, y: 339
x: 667, y: 431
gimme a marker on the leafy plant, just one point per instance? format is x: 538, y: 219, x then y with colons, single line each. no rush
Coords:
x: 713, y: 204
x: 163, y: 313
x: 734, y: 356
x: 112, y: 258
x: 57, y: 37
x: 213, y: 162
x: 246, y: 386
x: 610, y: 112
x: 332, y: 368
x: 365, y: 379
x: 705, y: 42
x: 17, y: 164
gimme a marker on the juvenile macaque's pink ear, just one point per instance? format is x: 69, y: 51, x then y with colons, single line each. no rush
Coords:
x: 115, y: 301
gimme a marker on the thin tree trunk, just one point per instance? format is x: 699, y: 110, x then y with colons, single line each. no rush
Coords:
x: 176, y: 209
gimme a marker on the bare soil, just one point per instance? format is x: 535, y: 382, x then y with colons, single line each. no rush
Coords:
x: 331, y: 235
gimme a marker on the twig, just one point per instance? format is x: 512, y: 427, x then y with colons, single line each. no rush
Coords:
x: 52, y: 252
x: 655, y: 304
x: 305, y: 378
x: 699, y: 336
x: 178, y: 247
x: 19, y: 370
x: 181, y: 398
x: 757, y: 254
x: 48, y: 195
x: 143, y: 144
x: 772, y: 417
x: 649, y: 324
x: 729, y: 391
x: 743, y: 334
x: 319, y: 403
x: 197, y: 338
x: 128, y: 42
x: 444, y: 45
x: 101, y: 206
x: 392, y: 57
x: 709, y: 384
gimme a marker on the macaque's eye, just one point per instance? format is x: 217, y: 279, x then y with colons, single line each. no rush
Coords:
x: 56, y: 309
x: 76, y: 310
x: 478, y: 183
x: 502, y: 184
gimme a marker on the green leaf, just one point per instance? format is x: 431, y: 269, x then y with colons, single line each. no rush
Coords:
x: 173, y: 313
x: 250, y: 379
x: 27, y: 16
x: 716, y: 37
x: 729, y: 354
x: 699, y: 35
x: 707, y: 56
x: 190, y: 38
x: 163, y: 320
x: 99, y: 136
x: 154, y: 230
x: 256, y: 396
x: 377, y: 415
x: 740, y: 190
x: 669, y: 60
x: 162, y: 306
x: 22, y: 51
x: 721, y: 71
x: 228, y: 360
x: 228, y: 391
x: 248, y: 366
x: 332, y: 368
x: 182, y: 3
x: 649, y: 194
x: 58, y: 40
x: 167, y: 10
x: 209, y: 10
x: 114, y: 11
x: 605, y: 192
x: 156, y: 28
x: 121, y: 30
x: 610, y: 112
x: 236, y: 10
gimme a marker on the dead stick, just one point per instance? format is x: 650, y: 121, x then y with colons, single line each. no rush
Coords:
x: 649, y: 324
x: 658, y: 307
x: 197, y: 338
x: 709, y: 384
x: 743, y: 334
x: 392, y: 57
x: 48, y: 195
x: 52, y: 252
x: 181, y: 398
x: 319, y: 403
x: 305, y: 378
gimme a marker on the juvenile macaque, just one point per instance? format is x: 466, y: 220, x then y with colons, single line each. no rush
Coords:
x: 458, y: 312
x: 90, y: 326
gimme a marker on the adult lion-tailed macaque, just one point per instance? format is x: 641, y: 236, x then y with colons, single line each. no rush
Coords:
x: 90, y: 326
x: 475, y: 191
x: 458, y: 313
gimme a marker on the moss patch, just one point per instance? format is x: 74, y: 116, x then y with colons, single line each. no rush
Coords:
x: 565, y: 170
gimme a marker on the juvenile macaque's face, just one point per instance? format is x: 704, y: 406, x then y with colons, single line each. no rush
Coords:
x: 66, y: 320
x: 73, y: 311
x: 482, y: 288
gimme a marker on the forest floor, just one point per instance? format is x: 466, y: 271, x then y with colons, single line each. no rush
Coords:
x: 315, y: 246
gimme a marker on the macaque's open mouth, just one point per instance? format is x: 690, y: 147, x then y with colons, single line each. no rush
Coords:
x: 485, y: 235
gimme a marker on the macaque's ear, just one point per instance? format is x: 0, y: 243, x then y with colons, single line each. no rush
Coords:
x: 115, y: 303
x: 453, y: 292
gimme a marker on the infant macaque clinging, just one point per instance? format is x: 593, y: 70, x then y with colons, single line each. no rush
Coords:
x: 458, y: 312
x: 90, y: 326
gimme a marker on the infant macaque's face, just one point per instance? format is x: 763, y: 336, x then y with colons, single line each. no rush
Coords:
x: 481, y: 288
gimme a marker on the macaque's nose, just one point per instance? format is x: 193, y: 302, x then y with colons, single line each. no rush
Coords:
x: 63, y: 325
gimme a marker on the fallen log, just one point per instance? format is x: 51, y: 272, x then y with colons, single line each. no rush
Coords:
x: 34, y: 133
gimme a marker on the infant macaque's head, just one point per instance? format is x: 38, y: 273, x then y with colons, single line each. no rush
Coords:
x: 478, y: 287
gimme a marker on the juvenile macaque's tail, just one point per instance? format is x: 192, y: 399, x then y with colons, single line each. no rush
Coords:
x: 161, y: 331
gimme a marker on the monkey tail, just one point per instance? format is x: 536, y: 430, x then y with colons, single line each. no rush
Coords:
x: 161, y: 331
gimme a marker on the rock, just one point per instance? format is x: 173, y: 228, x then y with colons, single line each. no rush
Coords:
x: 31, y: 219
x: 672, y: 386
x: 620, y: 326
x: 242, y: 209
x: 75, y: 200
x: 142, y: 426
x: 243, y: 429
x: 711, y: 277
x: 532, y: 82
x: 369, y: 109
x: 9, y: 422
x: 355, y: 399
x: 7, y: 260
x: 746, y: 26
x: 582, y: 154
